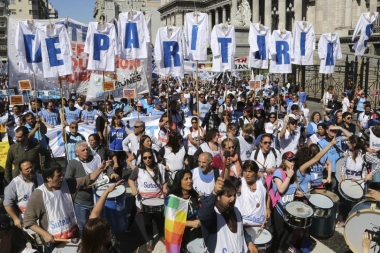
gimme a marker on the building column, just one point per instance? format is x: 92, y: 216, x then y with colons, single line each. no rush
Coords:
x: 268, y: 14
x: 216, y: 16
x: 210, y: 20
x: 255, y: 11
x: 298, y: 10
x: 233, y: 8
x: 373, y: 5
x: 224, y: 14
x: 348, y: 19
x: 282, y: 14
x: 179, y: 19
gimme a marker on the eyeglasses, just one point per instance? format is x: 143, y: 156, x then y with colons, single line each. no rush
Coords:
x: 136, y: 126
x: 147, y: 157
x: 293, y: 123
x: 74, y: 127
x: 194, y: 122
x: 231, y: 147
x: 267, y: 142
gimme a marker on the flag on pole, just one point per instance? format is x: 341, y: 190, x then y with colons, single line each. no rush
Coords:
x: 175, y: 221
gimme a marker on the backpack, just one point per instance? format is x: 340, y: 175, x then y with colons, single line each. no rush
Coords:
x: 274, y: 196
x: 272, y: 149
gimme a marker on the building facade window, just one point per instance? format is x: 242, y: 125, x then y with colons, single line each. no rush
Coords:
x: 12, y: 12
x: 33, y: 12
x: 11, y: 1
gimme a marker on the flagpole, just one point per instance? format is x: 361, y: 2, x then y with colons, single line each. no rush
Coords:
x: 35, y: 101
x: 196, y: 82
x: 138, y: 113
x: 64, y: 136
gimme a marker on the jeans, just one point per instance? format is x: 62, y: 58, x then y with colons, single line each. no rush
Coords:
x: 82, y: 212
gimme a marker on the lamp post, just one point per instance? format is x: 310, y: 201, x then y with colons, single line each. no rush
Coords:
x: 290, y: 16
x: 274, y: 19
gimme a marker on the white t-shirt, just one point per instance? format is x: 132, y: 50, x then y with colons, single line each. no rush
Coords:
x: 345, y: 104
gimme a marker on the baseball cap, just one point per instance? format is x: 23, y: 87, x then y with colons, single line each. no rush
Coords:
x: 157, y: 103
x: 292, y: 120
x: 288, y: 156
x: 5, y: 222
x: 139, y: 104
x: 88, y: 103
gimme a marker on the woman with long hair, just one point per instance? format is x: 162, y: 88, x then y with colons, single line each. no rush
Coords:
x: 233, y: 162
x: 225, y: 120
x: 194, y: 141
x: 117, y: 133
x: 259, y: 122
x: 291, y: 180
x: 145, y: 143
x: 173, y: 154
x: 151, y: 183
x: 319, y: 134
x: 312, y: 127
x: 167, y: 127
x: 183, y: 188
x: 109, y: 111
x: 210, y: 145
x: 352, y: 169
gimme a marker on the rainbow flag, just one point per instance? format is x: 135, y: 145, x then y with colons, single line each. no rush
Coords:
x: 175, y: 221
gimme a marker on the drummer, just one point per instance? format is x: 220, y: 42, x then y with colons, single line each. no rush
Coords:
x: 291, y: 180
x: 316, y: 170
x: 253, y: 203
x: 85, y: 163
x: 352, y: 169
x: 152, y: 183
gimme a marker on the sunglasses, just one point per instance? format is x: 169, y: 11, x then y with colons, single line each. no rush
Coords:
x: 136, y: 126
x: 147, y: 157
x: 267, y: 142
x: 74, y: 127
x: 232, y: 147
x: 349, y: 118
x: 194, y: 122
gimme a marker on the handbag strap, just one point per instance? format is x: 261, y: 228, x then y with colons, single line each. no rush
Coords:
x: 154, y: 180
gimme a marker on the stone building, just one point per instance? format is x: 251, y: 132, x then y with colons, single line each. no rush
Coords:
x: 338, y: 16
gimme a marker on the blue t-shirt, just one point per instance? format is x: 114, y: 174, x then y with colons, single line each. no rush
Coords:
x: 116, y: 138
x: 186, y: 110
x: 51, y: 118
x: 288, y: 195
x: 72, y: 116
x: 110, y: 114
x: 332, y: 154
x: 89, y: 115
x: 316, y: 172
x: 42, y: 137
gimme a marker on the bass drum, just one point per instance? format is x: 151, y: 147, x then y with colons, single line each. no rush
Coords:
x: 324, y: 227
x: 364, y: 215
x: 339, y: 164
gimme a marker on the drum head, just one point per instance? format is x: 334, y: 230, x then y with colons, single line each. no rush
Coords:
x: 196, y: 246
x: 264, y: 238
x: 153, y: 202
x: 119, y: 190
x: 339, y: 164
x: 331, y: 195
x: 321, y: 201
x: 352, y: 189
x: 358, y: 222
x: 299, y: 209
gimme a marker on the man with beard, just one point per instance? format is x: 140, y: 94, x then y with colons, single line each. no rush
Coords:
x: 72, y: 113
x: 221, y: 222
x: 41, y: 214
x: 24, y: 149
x: 80, y: 103
x: 17, y: 193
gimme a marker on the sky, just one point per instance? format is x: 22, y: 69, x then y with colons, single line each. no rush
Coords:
x: 79, y: 10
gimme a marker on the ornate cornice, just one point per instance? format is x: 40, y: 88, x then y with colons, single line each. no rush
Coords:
x: 188, y: 5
